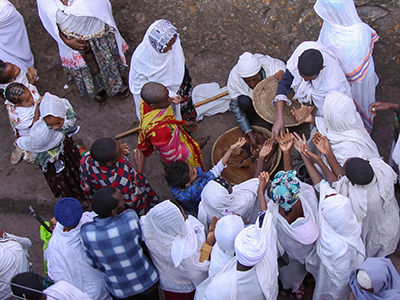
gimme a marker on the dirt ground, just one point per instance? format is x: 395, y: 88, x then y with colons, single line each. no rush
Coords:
x: 23, y: 184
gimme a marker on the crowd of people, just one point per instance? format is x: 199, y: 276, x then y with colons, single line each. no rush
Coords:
x: 112, y: 237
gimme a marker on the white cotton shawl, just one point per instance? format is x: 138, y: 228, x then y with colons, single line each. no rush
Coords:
x: 63, y: 290
x: 100, y: 9
x: 224, y: 284
x: 339, y: 247
x: 216, y: 201
x: 174, y: 246
x: 376, y: 208
x: 13, y: 261
x: 344, y: 33
x: 67, y: 260
x: 147, y: 64
x: 331, y: 77
x: 343, y: 127
x: 14, y: 42
x: 236, y: 84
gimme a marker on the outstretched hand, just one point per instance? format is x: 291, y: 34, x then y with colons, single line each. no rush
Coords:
x: 311, y: 155
x: 285, y: 141
x: 266, y: 148
x: 300, y: 143
x: 239, y: 144
x: 139, y: 159
x: 263, y: 181
x: 380, y: 106
x: 322, y: 143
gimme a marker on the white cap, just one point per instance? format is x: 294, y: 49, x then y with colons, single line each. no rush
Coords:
x: 248, y: 65
x: 364, y: 280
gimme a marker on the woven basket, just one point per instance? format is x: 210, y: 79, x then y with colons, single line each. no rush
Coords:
x: 264, y: 94
x: 238, y: 175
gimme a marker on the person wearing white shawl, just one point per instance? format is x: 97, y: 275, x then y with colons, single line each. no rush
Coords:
x: 174, y: 243
x: 339, y: 248
x: 352, y: 41
x: 14, y: 42
x: 253, y: 272
x: 90, y: 46
x: 51, y: 145
x: 243, y: 78
x: 226, y: 230
x: 217, y: 201
x: 159, y: 58
x: 342, y: 125
x: 65, y: 254
x: 311, y: 72
x: 13, y: 260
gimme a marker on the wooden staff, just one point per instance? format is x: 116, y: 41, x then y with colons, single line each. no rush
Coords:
x: 136, y: 129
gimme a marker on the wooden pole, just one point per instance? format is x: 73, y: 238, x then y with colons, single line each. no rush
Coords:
x: 136, y: 129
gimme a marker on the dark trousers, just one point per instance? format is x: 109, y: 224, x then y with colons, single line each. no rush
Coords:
x: 246, y: 106
x: 149, y: 294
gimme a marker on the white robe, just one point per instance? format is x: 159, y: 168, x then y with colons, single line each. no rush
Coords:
x: 14, y: 42
x: 230, y: 284
x: 13, y: 260
x: 63, y: 290
x: 217, y: 202
x: 298, y: 239
x: 149, y: 65
x: 376, y: 208
x: 331, y: 77
x: 339, y: 248
x: 236, y: 84
x: 67, y: 261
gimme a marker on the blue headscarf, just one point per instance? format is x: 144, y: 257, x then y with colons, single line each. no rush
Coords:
x: 68, y: 212
x: 285, y: 189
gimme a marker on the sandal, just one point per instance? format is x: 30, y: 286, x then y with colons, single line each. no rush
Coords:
x: 16, y: 155
x: 302, y: 113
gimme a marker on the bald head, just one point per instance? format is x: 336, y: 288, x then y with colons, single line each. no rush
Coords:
x: 154, y: 93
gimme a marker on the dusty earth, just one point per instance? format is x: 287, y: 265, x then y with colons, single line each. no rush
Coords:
x: 213, y: 34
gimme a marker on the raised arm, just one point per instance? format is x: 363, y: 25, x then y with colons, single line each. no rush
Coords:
x: 263, y: 179
x: 323, y: 146
x: 239, y: 144
x: 286, y: 143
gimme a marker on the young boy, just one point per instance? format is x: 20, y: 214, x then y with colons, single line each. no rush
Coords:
x: 160, y: 129
x: 187, y: 183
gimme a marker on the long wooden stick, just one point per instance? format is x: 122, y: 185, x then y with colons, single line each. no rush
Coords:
x: 136, y: 129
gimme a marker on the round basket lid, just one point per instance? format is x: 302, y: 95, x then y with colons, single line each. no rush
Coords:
x: 263, y: 95
x: 241, y: 167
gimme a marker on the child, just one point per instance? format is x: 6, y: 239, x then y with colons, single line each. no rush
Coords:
x: 22, y: 108
x: 159, y: 128
x: 12, y: 73
x: 50, y: 144
x: 187, y: 183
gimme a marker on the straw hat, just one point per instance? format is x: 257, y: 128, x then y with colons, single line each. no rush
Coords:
x: 233, y: 173
x: 264, y: 94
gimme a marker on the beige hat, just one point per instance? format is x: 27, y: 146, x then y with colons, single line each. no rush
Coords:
x: 248, y: 65
x: 264, y: 94
x: 364, y: 280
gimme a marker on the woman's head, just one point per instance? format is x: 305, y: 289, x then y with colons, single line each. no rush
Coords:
x: 53, y: 111
x: 285, y: 189
x: 18, y: 94
x: 8, y: 72
x: 163, y: 35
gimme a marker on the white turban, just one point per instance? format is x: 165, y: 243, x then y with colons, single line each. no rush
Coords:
x: 248, y: 65
x: 226, y: 230
x: 250, y: 246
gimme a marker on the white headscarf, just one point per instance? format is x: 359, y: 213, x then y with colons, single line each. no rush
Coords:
x: 343, y: 32
x: 236, y: 84
x: 226, y: 230
x: 165, y: 229
x: 250, y: 246
x: 331, y: 77
x: 216, y: 201
x: 343, y: 126
x: 14, y: 42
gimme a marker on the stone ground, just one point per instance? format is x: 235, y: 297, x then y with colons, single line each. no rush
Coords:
x: 23, y: 184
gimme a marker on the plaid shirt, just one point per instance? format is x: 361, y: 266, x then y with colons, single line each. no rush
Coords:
x: 133, y: 185
x: 112, y: 246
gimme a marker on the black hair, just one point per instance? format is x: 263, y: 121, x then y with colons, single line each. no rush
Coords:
x: 103, y: 201
x: 177, y: 174
x: 104, y: 150
x: 358, y: 171
x: 310, y: 62
x: 13, y: 92
x: 153, y: 93
x: 3, y: 79
x: 30, y: 280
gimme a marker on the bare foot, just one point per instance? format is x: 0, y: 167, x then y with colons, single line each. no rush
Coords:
x: 203, y: 141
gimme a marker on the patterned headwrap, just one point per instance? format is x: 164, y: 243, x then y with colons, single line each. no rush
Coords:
x: 285, y: 189
x: 161, y: 34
